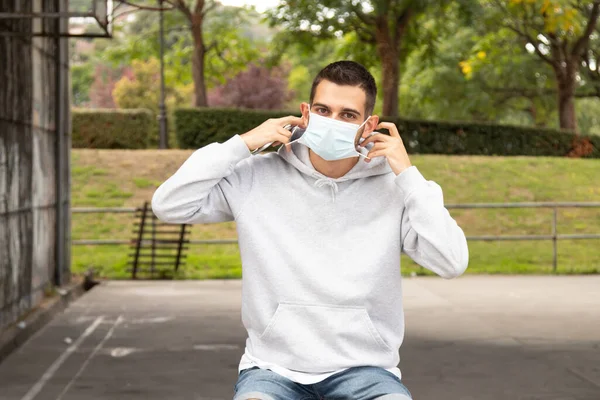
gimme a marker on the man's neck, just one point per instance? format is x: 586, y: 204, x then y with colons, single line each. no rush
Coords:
x: 332, y: 169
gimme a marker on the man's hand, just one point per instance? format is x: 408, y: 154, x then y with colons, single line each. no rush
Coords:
x: 391, y: 147
x: 272, y: 130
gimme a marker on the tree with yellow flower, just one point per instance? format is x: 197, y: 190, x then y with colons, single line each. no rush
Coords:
x: 559, y: 33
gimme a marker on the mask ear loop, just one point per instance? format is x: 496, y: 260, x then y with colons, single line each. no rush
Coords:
x: 294, y: 141
x: 361, y: 149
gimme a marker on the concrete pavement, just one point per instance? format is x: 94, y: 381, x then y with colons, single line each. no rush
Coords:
x: 473, y: 338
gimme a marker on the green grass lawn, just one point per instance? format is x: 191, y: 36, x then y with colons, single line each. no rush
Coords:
x: 124, y: 178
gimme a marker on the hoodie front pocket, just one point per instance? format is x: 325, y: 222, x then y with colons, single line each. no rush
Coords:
x: 321, y: 338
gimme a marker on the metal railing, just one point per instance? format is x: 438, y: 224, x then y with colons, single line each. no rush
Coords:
x: 554, y: 236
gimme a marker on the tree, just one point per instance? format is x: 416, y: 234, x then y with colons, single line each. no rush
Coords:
x: 588, y: 116
x: 448, y: 88
x: 105, y: 78
x: 82, y: 78
x: 480, y: 75
x: 558, y: 33
x: 257, y: 88
x: 195, y: 12
x: 195, y: 15
x: 499, y: 81
x: 203, y: 31
x: 304, y: 64
x: 382, y: 25
x: 591, y: 64
x: 141, y: 88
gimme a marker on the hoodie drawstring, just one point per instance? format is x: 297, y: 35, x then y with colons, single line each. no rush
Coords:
x: 328, y: 182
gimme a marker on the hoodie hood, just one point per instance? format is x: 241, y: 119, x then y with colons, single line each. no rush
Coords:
x: 298, y: 157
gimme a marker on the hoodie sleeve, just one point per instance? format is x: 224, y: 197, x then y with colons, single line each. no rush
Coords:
x: 430, y: 236
x: 211, y: 185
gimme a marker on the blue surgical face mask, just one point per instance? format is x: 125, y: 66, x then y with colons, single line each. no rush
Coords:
x: 329, y: 138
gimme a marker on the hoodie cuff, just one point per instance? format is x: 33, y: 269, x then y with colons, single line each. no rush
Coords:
x: 237, y: 147
x: 409, y: 180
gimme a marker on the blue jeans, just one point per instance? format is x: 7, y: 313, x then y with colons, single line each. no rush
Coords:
x: 357, y: 383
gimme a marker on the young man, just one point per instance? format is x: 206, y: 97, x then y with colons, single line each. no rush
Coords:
x: 320, y: 231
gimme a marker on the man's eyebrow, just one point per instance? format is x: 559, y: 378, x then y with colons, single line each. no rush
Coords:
x: 320, y: 105
x: 351, y: 110
x: 343, y: 109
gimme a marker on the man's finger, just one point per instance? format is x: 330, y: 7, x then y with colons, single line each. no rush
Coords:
x: 292, y: 120
x: 379, y: 137
x: 284, y: 132
x: 379, y: 146
x: 390, y: 127
x: 377, y: 153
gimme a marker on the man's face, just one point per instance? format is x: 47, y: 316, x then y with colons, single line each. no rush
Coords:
x: 342, y: 102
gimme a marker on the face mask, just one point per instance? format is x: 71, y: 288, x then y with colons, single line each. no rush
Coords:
x: 329, y: 138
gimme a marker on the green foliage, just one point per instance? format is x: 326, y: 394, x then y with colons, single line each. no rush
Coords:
x: 304, y: 65
x: 377, y: 33
x: 457, y: 62
x: 332, y: 18
x: 82, y: 77
x: 474, y: 73
x: 499, y: 83
x: 227, y: 34
x: 562, y: 19
x: 557, y: 33
x: 112, y: 129
x: 142, y: 90
x: 588, y: 116
x: 199, y: 127
x: 80, y: 6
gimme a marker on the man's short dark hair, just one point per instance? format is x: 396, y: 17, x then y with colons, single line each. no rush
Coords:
x: 348, y: 73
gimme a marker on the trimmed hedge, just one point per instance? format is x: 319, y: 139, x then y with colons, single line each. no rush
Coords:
x: 113, y: 129
x: 198, y: 127
x: 468, y: 138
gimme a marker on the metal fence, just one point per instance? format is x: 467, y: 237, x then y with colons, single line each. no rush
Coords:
x: 554, y: 236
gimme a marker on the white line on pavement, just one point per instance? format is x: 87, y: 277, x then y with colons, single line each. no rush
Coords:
x: 35, y: 390
x: 90, y: 356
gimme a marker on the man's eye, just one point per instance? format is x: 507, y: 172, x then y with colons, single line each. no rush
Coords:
x: 322, y: 110
x: 349, y: 116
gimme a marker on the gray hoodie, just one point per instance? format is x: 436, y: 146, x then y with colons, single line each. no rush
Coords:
x: 321, y: 282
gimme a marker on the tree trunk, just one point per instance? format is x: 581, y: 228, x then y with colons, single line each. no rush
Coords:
x: 533, y: 112
x: 198, y: 67
x: 388, y: 52
x: 566, y: 109
x: 566, y: 99
x: 391, y: 81
x: 388, y: 39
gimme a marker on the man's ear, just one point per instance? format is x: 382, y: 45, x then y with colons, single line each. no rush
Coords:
x: 370, y: 125
x: 305, y: 110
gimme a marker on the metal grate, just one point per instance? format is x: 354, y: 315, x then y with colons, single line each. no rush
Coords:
x: 102, y: 12
x: 157, y: 246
